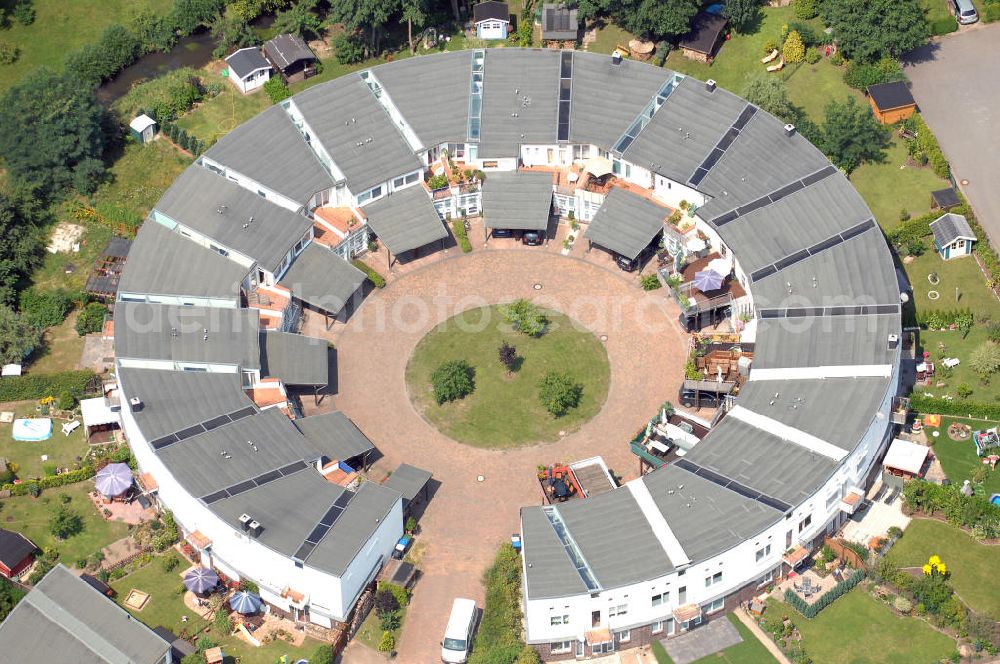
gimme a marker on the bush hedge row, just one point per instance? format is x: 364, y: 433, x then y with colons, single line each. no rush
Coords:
x: 38, y: 385
x: 943, y: 25
x: 929, y: 145
x: 51, y: 481
x: 826, y: 599
x: 461, y: 235
x: 922, y: 403
x: 499, y: 638
x: 377, y: 279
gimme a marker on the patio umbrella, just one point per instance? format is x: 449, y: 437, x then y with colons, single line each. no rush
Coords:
x: 720, y: 266
x: 114, y: 479
x: 244, y: 602
x: 598, y: 166
x: 707, y: 280
x: 201, y: 580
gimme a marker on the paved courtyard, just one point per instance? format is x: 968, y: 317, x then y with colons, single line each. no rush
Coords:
x: 710, y: 638
x: 467, y: 520
x: 956, y: 83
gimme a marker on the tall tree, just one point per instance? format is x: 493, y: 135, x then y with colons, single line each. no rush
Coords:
x: 231, y: 33
x: 18, y: 337
x: 191, y: 15
x: 851, y: 135
x: 665, y: 19
x: 743, y: 15
x: 414, y: 14
x: 300, y: 19
x: 768, y: 93
x: 51, y: 130
x: 870, y: 29
x: 21, y: 227
x: 368, y: 16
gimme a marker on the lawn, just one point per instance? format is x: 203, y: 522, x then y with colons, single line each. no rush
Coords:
x: 951, y: 344
x: 216, y: 117
x: 61, y: 348
x: 609, y: 36
x: 961, y: 273
x: 371, y: 631
x: 857, y: 629
x: 62, y: 451
x: 165, y: 607
x: 30, y: 517
x: 972, y: 566
x: 505, y: 411
x: 958, y: 458
x: 751, y: 651
x: 61, y: 27
x: 896, y: 185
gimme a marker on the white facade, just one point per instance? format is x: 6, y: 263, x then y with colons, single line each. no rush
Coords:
x: 492, y: 28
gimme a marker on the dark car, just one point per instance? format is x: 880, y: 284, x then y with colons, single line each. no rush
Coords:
x: 708, y: 393
x: 533, y: 238
x: 502, y: 232
x: 632, y: 264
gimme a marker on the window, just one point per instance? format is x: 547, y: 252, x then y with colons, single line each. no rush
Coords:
x: 619, y: 610
x: 716, y: 605
x: 766, y: 579
x: 561, y: 647
x: 832, y: 498
x: 624, y: 636
x: 804, y: 523
x: 714, y: 579
x: 960, y: 244
x: 765, y: 551
x: 682, y: 595
x: 657, y: 627
x: 662, y: 598
x: 559, y: 620
x: 670, y: 626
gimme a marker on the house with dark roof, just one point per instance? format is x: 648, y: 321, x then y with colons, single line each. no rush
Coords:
x: 17, y: 552
x: 891, y: 102
x: 290, y: 57
x: 248, y: 70
x: 559, y: 22
x: 492, y: 19
x: 702, y: 42
x: 953, y: 236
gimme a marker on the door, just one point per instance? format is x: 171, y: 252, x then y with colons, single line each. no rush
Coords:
x: 595, y: 619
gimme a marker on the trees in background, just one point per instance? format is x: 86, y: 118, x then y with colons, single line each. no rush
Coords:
x: 871, y: 29
x: 189, y: 15
x: 300, y: 19
x: 18, y: 337
x: 658, y: 19
x: 369, y: 17
x: 232, y: 32
x: 851, y: 135
x: 743, y: 15
x: 414, y: 13
x: 21, y: 227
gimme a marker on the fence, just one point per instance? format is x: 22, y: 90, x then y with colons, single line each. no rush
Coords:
x: 846, y: 554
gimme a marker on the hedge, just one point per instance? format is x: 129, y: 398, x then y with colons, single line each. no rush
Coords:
x: 991, y: 13
x: 499, y: 635
x: 928, y: 143
x: 461, y: 235
x: 37, y: 386
x: 826, y: 599
x: 943, y: 25
x: 377, y: 279
x: 51, y: 481
x: 921, y: 403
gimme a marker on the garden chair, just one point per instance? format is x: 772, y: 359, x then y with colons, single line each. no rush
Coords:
x: 778, y: 65
x: 769, y: 57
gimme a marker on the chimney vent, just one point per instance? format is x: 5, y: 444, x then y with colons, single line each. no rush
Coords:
x: 135, y: 404
x: 245, y: 520
x: 616, y: 57
x: 789, y: 129
x: 255, y: 528
x: 710, y: 84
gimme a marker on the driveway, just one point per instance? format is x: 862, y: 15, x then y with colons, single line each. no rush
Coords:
x: 467, y: 519
x: 956, y: 83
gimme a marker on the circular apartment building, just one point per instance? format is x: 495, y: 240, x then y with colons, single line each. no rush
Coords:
x: 263, y: 225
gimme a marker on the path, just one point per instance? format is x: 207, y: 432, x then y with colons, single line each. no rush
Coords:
x: 752, y: 625
x: 467, y: 520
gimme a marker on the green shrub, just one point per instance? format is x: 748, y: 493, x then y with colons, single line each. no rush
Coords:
x: 276, y: 90
x: 377, y: 279
x: 499, y: 635
x: 169, y: 563
x: 9, y: 53
x: 525, y: 317
x: 559, y: 393
x: 943, y: 25
x: 809, y: 35
x: 927, y: 143
x: 813, y: 55
x: 439, y: 181
x: 204, y: 642
x: 65, y: 523
x: 826, y: 599
x: 390, y: 620
x: 38, y: 385
x: 387, y: 643
x: 453, y: 380
x: 24, y: 12
x: 91, y: 319
x: 794, y: 49
x: 65, y: 401
x: 222, y: 622
x: 322, y: 655
x: 348, y: 48
x: 401, y: 594
x: 922, y: 403
x: 461, y: 235
x: 49, y: 482
x: 860, y: 75
x: 650, y: 282
x: 806, y: 9
x: 991, y: 13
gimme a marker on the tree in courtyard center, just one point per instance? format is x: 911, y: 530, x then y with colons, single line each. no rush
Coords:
x: 867, y: 30
x: 525, y: 317
x: 65, y: 523
x: 453, y: 380
x: 558, y: 393
x: 851, y: 135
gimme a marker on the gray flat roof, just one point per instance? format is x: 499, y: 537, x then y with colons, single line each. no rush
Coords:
x: 559, y: 21
x: 761, y: 160
x: 408, y: 480
x: 270, y: 150
x: 441, y: 117
x: 366, y: 511
x: 858, y: 271
x: 63, y: 619
x: 175, y: 400
x: 357, y: 132
x: 825, y: 341
x: 548, y: 569
x: 165, y: 332
x: 762, y: 461
x: 162, y: 262
x: 218, y: 208
x: 322, y: 279
x: 798, y: 221
x: 623, y: 91
x: 295, y: 358
x: 626, y: 223
x: 334, y: 435
x: 805, y: 405
x: 616, y: 539
x: 197, y: 462
x: 519, y: 200
x: 691, y: 504
x: 520, y: 100
x: 685, y: 129
x: 405, y: 220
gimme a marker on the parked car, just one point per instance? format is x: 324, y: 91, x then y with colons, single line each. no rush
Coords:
x: 632, y: 264
x: 458, y: 634
x: 533, y: 238
x: 965, y: 11
x: 502, y: 232
x: 708, y: 393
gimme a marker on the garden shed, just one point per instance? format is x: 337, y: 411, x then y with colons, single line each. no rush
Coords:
x: 707, y: 31
x: 291, y: 57
x: 944, y: 199
x: 953, y: 236
x: 248, y: 70
x: 891, y: 102
x: 491, y: 19
x: 142, y: 128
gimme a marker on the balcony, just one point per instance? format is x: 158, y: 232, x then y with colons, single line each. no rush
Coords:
x: 852, y: 500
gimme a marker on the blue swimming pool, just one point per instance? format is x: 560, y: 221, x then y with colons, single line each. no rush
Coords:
x: 715, y: 9
x: 995, y: 499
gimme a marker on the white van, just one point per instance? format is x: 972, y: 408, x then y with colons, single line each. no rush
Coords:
x: 458, y: 633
